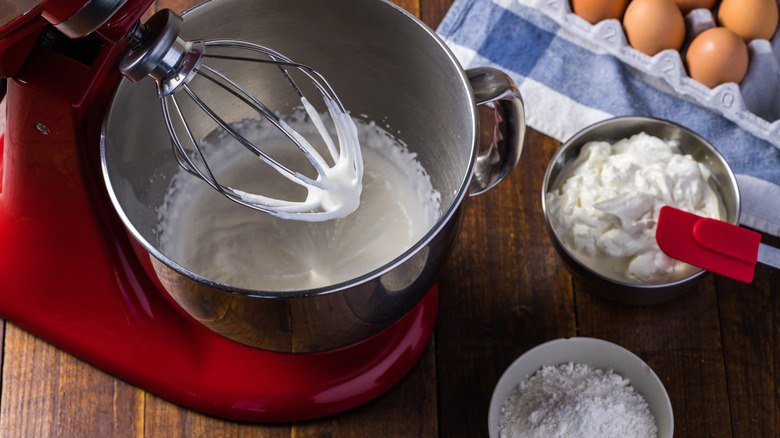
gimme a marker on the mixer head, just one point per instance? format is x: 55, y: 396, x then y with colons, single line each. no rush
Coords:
x: 188, y: 73
x: 21, y: 21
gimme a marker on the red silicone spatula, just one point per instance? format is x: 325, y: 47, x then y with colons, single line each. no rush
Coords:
x: 713, y: 245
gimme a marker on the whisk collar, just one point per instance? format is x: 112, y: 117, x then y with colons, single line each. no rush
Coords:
x: 157, y: 50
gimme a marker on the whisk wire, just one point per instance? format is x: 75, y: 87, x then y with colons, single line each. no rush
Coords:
x: 239, y: 92
x: 296, y: 177
x: 278, y: 63
x: 186, y: 162
x: 277, y: 59
x: 184, y: 159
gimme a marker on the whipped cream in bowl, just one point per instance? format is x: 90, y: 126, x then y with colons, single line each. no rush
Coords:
x: 602, y: 193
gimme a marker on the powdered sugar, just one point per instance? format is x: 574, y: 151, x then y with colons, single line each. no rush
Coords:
x: 576, y: 400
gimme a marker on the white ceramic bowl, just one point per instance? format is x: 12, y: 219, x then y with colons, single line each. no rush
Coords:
x: 595, y: 353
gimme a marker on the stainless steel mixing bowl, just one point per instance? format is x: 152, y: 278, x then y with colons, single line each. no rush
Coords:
x: 385, y: 66
x: 722, y: 180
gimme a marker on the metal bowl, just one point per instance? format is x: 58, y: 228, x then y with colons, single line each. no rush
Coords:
x: 612, y: 130
x: 386, y: 66
x: 595, y: 353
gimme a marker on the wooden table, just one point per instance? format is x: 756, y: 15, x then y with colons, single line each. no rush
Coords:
x: 503, y: 291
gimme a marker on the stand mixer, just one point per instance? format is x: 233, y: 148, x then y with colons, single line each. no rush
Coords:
x: 85, y: 161
x: 68, y: 270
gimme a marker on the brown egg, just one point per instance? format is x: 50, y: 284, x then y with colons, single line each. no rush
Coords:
x: 689, y: 5
x: 750, y: 19
x: 717, y: 56
x: 654, y: 25
x: 596, y: 10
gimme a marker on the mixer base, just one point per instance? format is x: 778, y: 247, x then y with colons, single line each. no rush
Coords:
x: 160, y: 351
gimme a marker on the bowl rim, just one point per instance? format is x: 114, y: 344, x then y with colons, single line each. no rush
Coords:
x: 596, y: 353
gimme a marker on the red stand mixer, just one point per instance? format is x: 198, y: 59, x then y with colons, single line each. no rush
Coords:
x: 80, y: 187
x: 68, y: 270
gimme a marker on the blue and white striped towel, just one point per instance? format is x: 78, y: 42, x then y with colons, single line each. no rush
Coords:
x: 567, y: 86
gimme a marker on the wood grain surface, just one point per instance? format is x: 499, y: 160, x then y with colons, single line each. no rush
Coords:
x: 502, y: 292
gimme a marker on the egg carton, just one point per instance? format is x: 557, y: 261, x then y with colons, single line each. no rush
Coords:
x: 754, y: 104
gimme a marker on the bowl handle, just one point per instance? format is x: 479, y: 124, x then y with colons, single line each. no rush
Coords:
x: 495, y: 88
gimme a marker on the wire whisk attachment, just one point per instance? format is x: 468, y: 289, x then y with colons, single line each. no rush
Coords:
x: 216, y: 82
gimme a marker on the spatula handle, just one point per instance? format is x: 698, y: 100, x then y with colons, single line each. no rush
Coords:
x: 727, y: 239
x: 713, y: 245
x: 769, y: 256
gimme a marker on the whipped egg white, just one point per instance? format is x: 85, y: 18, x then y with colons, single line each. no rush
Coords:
x: 606, y: 209
x: 336, y: 191
x: 228, y: 243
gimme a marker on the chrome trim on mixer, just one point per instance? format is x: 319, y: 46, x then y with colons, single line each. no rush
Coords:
x: 10, y: 10
x: 89, y: 18
x: 157, y: 50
